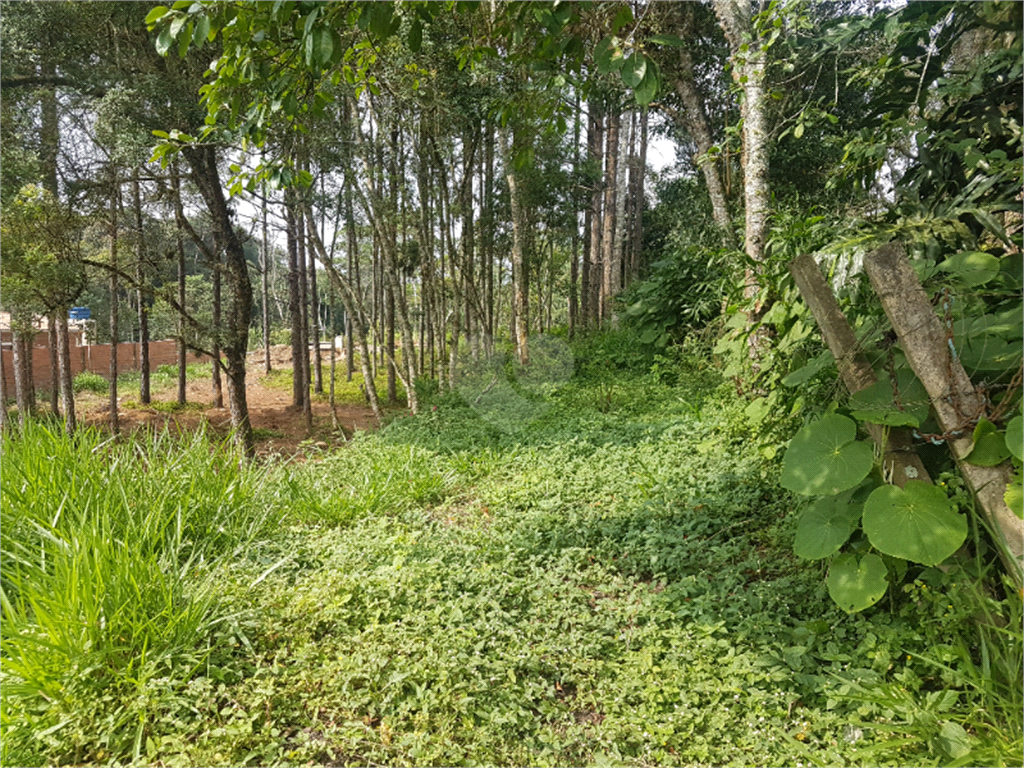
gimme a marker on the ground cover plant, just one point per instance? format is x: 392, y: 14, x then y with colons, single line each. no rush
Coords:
x: 604, y: 586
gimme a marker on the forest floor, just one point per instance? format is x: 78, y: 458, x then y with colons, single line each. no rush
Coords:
x: 280, y: 428
x: 604, y: 577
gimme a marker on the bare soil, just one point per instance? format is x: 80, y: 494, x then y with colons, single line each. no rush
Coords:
x: 280, y: 428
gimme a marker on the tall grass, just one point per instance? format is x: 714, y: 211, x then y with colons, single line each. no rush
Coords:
x: 108, y: 551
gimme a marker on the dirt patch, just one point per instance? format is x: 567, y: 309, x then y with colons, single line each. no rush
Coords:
x: 279, y: 428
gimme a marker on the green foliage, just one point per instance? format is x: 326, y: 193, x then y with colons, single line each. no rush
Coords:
x: 109, y: 556
x: 87, y: 381
x: 826, y: 457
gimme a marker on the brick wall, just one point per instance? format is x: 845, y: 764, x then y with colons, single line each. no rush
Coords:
x: 94, y: 358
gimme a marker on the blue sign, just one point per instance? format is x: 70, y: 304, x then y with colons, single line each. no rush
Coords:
x: 79, y: 313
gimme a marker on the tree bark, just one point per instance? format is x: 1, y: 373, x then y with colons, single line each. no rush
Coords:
x: 67, y: 390
x: 235, y: 335
x: 694, y: 120
x: 115, y: 423
x: 749, y: 69
x: 3, y: 394
x: 609, y: 282
x: 22, y: 377
x: 294, y: 303
x: 520, y: 279
x: 51, y: 343
x: 575, y: 256
x: 218, y: 391
x: 144, y: 393
x: 300, y: 247
x: 265, y: 283
x: 596, y: 270
x: 179, y: 217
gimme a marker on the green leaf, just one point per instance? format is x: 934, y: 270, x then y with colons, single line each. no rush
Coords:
x: 1015, y: 437
x: 972, y: 268
x: 1014, y: 495
x: 202, y: 31
x: 857, y: 585
x: 323, y: 45
x: 676, y: 42
x: 826, y: 525
x: 157, y: 13
x: 603, y: 54
x: 990, y: 446
x: 415, y: 36
x: 633, y: 70
x: 622, y: 18
x: 825, y: 458
x: 648, y: 88
x: 164, y: 41
x: 953, y: 740
x: 810, y: 370
x: 877, y: 404
x: 916, y: 522
x: 798, y: 132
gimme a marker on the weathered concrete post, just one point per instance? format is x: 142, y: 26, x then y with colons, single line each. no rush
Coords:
x: 957, y: 404
x: 899, y: 459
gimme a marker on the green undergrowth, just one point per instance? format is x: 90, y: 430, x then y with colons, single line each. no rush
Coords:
x: 611, y: 584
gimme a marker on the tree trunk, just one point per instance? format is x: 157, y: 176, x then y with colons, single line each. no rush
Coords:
x: 594, y: 257
x: 294, y: 303
x: 265, y: 283
x: 749, y: 71
x: 574, y: 263
x: 520, y: 279
x: 609, y: 282
x: 487, y: 210
x: 621, y: 222
x: 235, y: 335
x: 179, y: 216
x: 22, y: 377
x: 115, y: 422
x: 67, y: 390
x: 218, y: 392
x: 300, y: 247
x: 314, y: 325
x: 693, y: 119
x: 350, y: 234
x: 637, y: 238
x: 49, y: 126
x: 51, y: 343
x: 144, y: 395
x: 3, y: 394
x: 389, y: 341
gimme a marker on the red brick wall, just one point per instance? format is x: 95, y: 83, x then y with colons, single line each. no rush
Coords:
x: 95, y: 358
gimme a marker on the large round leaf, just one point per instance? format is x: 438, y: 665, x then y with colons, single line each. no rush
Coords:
x: 878, y: 405
x: 826, y: 525
x: 990, y: 447
x: 1015, y: 437
x: 916, y: 522
x: 972, y: 267
x: 856, y: 585
x: 825, y: 458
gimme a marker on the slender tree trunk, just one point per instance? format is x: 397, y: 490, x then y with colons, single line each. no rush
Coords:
x: 735, y: 19
x: 574, y: 263
x: 596, y: 270
x: 350, y: 233
x: 314, y: 326
x: 487, y: 210
x: 621, y: 223
x: 234, y: 336
x: 637, y: 238
x: 22, y: 377
x: 179, y: 216
x: 115, y: 422
x: 520, y: 280
x: 609, y: 283
x: 218, y: 391
x: 67, y: 390
x: 300, y: 247
x: 51, y: 343
x: 265, y: 283
x: 693, y: 119
x: 294, y: 303
x: 144, y: 394
x: 389, y: 341
x: 3, y: 394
